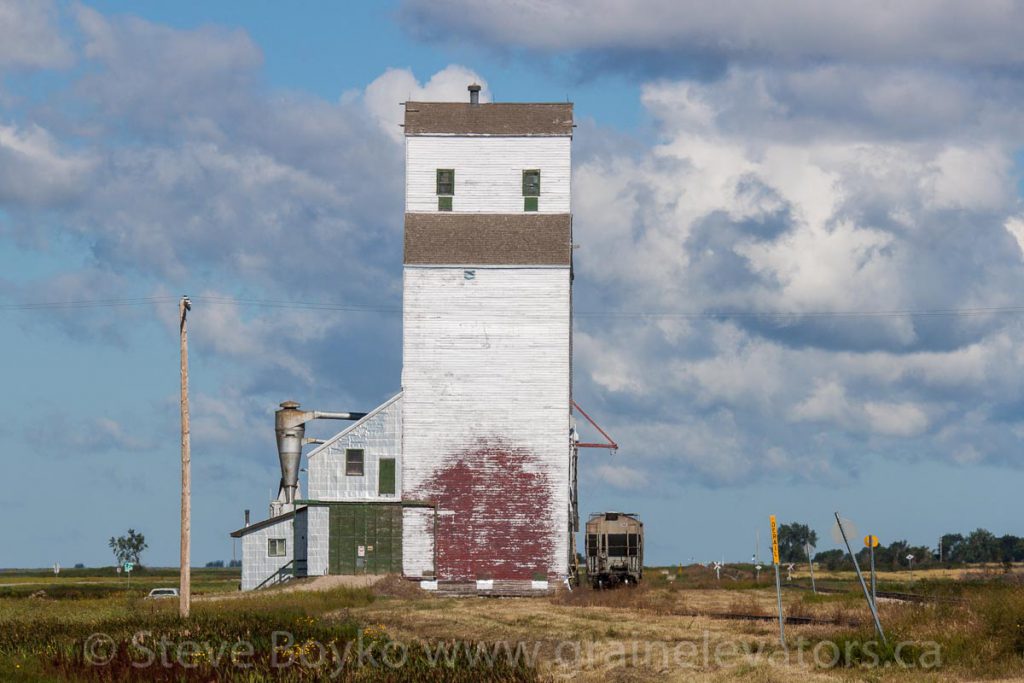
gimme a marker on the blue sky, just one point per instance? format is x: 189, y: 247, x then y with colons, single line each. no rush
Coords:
x: 766, y: 167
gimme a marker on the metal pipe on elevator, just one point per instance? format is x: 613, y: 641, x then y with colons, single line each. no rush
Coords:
x: 290, y: 428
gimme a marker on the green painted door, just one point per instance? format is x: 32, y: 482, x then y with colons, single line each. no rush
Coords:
x: 365, y: 538
x: 384, y: 553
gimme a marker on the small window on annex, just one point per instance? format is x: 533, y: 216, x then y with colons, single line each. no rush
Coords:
x: 277, y: 547
x: 354, y: 462
x: 531, y: 189
x: 445, y: 188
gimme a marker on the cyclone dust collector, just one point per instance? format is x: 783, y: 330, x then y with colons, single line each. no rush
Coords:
x: 290, y: 427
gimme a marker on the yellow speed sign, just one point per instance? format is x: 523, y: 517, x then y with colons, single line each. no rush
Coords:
x: 775, y: 539
x: 870, y: 541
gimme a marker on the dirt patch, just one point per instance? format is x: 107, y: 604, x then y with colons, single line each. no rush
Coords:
x: 311, y: 584
x: 609, y: 637
x: 326, y: 583
x: 394, y: 586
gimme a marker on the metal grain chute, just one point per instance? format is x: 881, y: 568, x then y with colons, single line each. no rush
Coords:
x: 290, y: 428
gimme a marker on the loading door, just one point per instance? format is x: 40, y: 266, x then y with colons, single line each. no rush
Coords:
x: 365, y: 539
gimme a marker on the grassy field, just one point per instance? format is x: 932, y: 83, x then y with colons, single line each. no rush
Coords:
x: 97, y: 583
x: 90, y: 627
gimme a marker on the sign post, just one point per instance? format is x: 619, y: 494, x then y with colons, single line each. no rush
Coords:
x: 778, y: 581
x: 128, y: 567
x: 871, y: 541
x: 810, y: 566
x: 860, y: 577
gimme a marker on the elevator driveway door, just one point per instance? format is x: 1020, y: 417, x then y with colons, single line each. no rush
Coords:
x: 365, y: 538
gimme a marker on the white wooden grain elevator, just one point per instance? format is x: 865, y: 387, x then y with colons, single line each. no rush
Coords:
x: 479, y: 442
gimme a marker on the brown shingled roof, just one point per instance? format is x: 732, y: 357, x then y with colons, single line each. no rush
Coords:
x: 488, y: 239
x: 502, y: 118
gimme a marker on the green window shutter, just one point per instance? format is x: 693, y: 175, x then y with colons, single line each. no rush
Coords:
x: 529, y: 203
x: 531, y: 183
x: 444, y: 203
x: 386, y: 479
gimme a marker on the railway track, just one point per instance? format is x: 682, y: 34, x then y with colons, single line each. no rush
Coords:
x: 891, y: 595
x: 769, y: 617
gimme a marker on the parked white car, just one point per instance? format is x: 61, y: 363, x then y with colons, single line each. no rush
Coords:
x: 163, y: 593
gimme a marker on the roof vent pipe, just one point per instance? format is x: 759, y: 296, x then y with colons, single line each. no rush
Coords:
x: 474, y: 94
x: 247, y: 518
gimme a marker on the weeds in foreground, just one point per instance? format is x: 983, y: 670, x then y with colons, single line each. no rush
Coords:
x: 983, y: 635
x: 268, y: 637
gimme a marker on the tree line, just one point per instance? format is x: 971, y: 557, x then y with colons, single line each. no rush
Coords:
x: 981, y: 545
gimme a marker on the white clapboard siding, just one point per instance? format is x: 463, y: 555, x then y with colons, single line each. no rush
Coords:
x: 257, y: 565
x: 379, y: 434
x: 418, y: 541
x: 487, y: 358
x: 488, y: 172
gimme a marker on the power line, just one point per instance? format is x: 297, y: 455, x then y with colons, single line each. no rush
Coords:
x: 86, y: 303
x: 308, y: 305
x: 612, y: 314
x: 714, y: 315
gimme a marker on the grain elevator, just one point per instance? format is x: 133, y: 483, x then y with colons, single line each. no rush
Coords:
x: 466, y: 477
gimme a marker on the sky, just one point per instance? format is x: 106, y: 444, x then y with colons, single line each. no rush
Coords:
x: 801, y: 252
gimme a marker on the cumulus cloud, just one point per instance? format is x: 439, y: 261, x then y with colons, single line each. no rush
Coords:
x: 758, y: 257
x: 829, y: 170
x: 31, y: 38
x: 621, y: 476
x: 275, y: 341
x: 169, y: 166
x: 77, y: 438
x: 659, y: 34
x: 35, y: 171
x: 395, y: 86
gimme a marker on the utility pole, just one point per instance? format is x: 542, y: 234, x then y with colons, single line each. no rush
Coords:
x: 185, y: 588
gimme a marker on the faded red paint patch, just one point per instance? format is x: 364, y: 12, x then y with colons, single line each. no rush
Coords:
x: 494, y: 515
